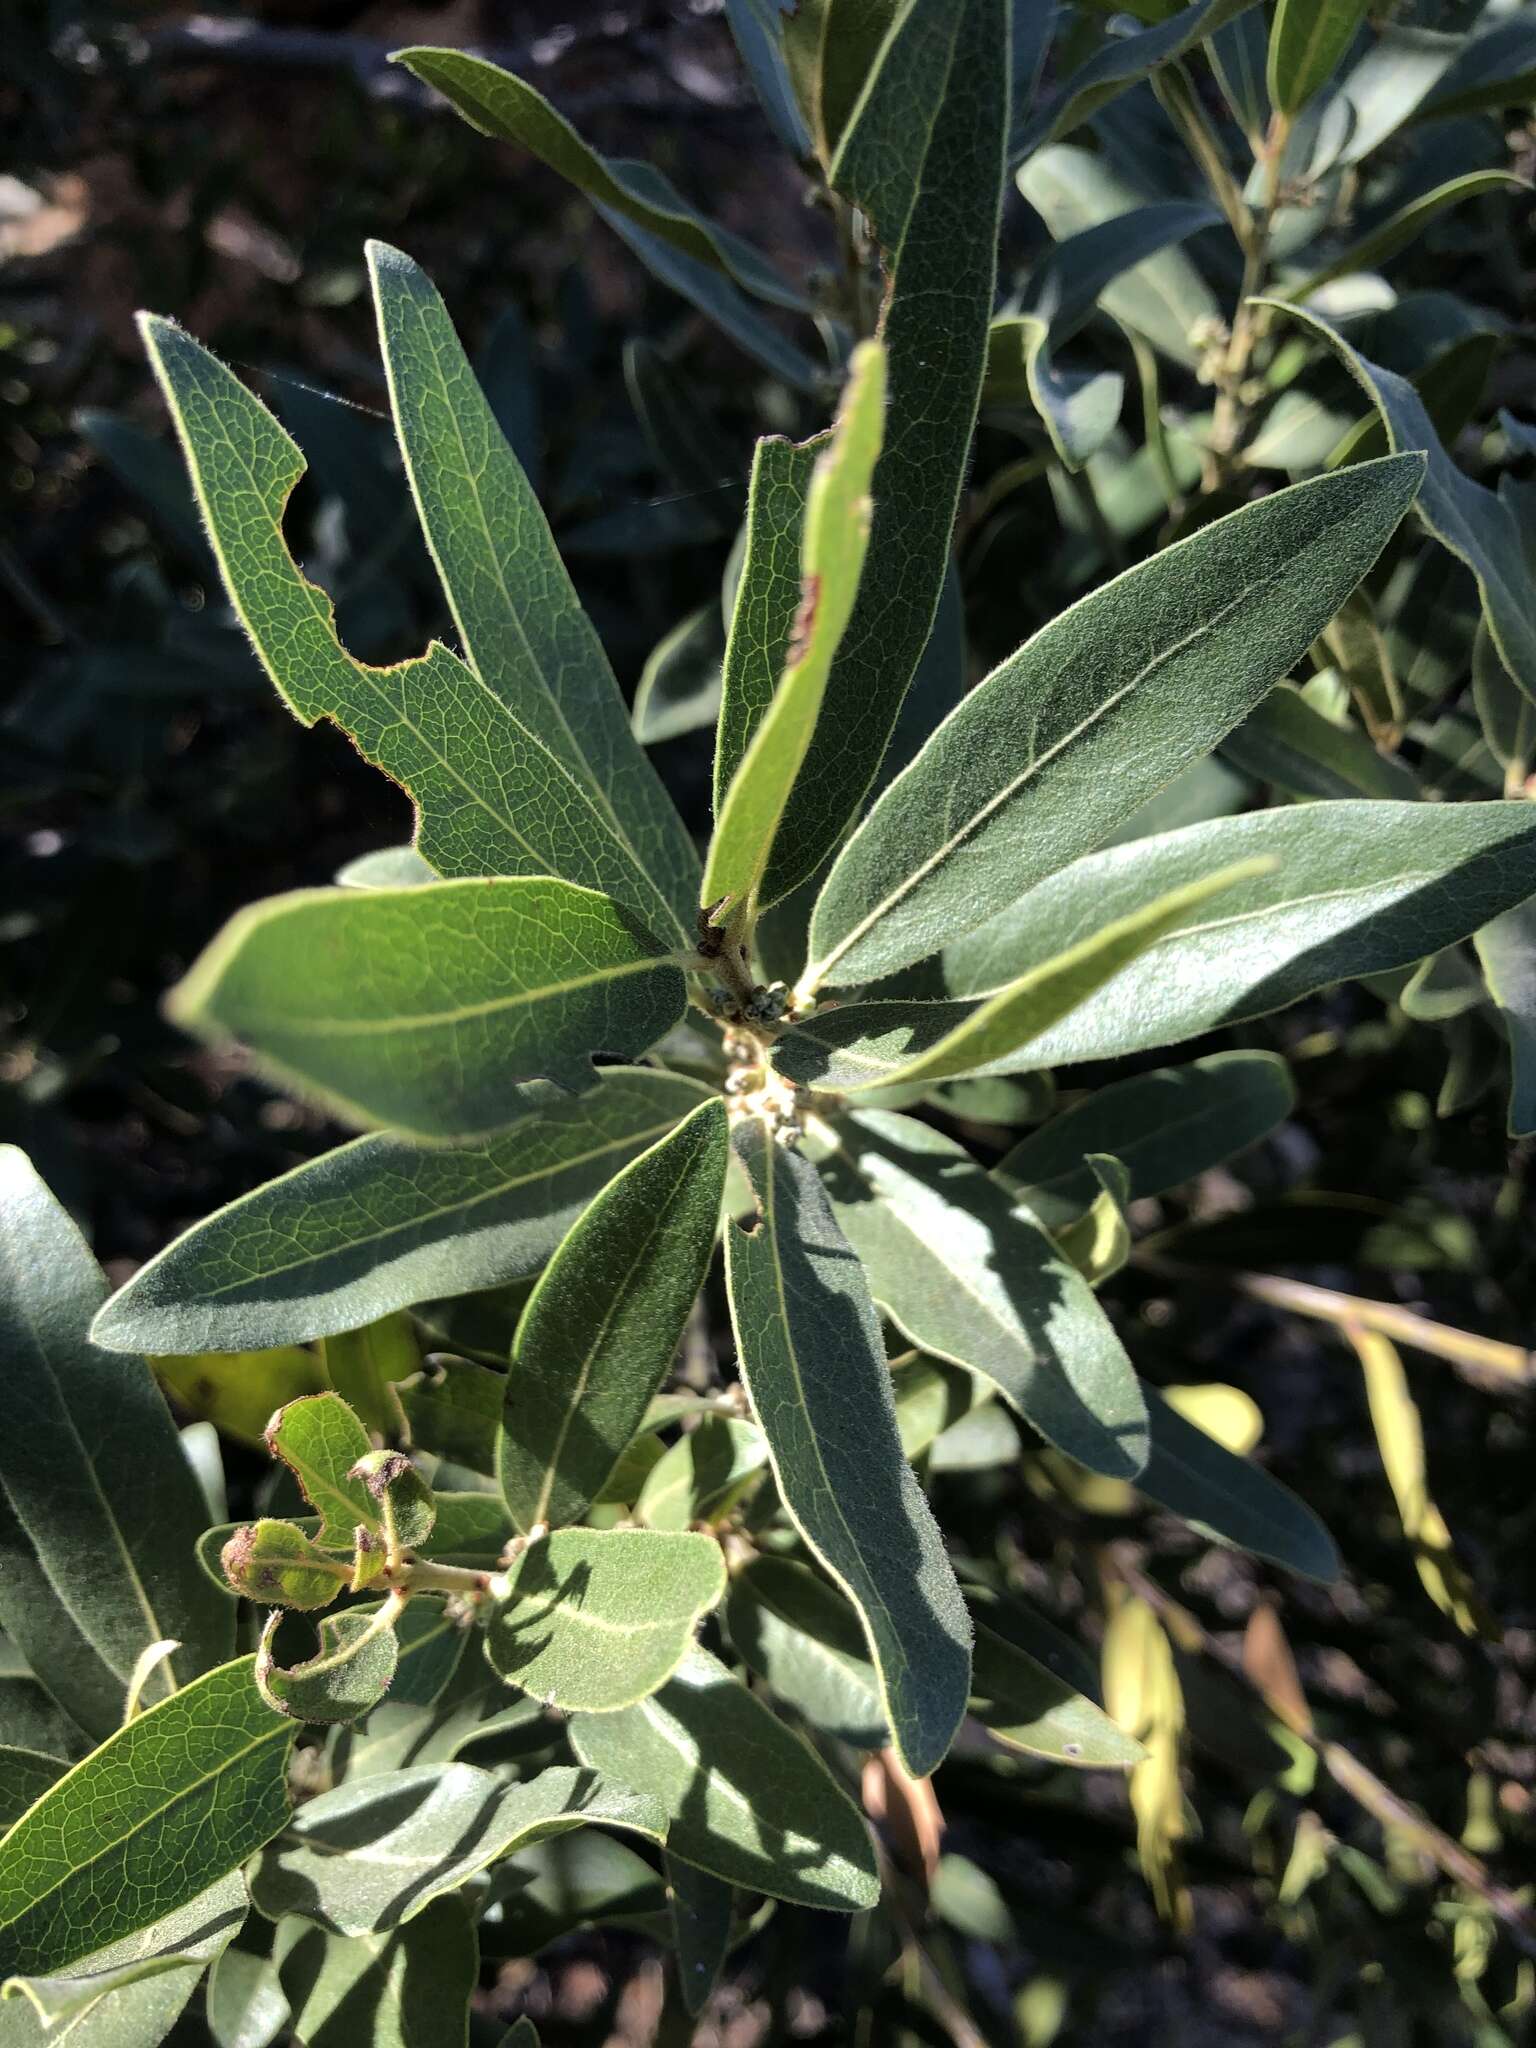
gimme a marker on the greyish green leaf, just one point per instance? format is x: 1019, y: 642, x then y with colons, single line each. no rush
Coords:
x: 454, y: 1411
x: 1479, y: 527
x: 380, y: 1223
x: 804, y: 1638
x: 703, y: 1475
x: 498, y: 786
x: 1401, y: 229
x: 98, y: 1507
x: 603, y: 1324
x: 1165, y: 1128
x: 426, y: 1830
x: 348, y: 1675
x: 809, y: 1351
x: 519, y: 619
x: 1360, y: 887
x: 701, y: 1919
x: 1229, y: 1499
x: 902, y: 1044
x: 922, y: 151
x: 167, y: 1806
x: 679, y: 690
x: 1308, y: 42
x: 1507, y: 949
x: 130, y: 1994
x: 743, y: 1798
x: 1495, y: 68
x: 501, y: 104
x: 409, y: 1988
x: 968, y: 1276
x: 1095, y: 714
x: 320, y: 1440
x: 1027, y: 1707
x: 424, y: 1009
x: 767, y: 599
x: 595, y: 1619
x: 1286, y: 740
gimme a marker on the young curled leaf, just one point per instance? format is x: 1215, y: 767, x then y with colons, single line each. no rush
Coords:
x: 320, y: 1440
x: 349, y: 1673
x: 407, y: 1508
x: 277, y: 1564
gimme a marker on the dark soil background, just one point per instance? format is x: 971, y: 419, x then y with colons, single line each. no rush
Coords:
x: 226, y: 168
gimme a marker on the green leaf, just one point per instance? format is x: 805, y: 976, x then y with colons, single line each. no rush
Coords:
x: 519, y: 619
x: 349, y: 1673
x: 471, y: 1529
x: 831, y: 47
x: 1094, y: 714
x: 1307, y: 43
x: 238, y: 1391
x: 498, y: 784
x: 1088, y: 207
x: 894, y: 1044
x: 767, y: 600
x: 99, y: 1508
x: 1361, y: 887
x: 410, y: 1988
x: 598, y: 1618
x: 1288, y: 741
x: 404, y: 1502
x: 132, y: 1992
x: 679, y: 689
x: 1230, y: 1500
x: 454, y: 1411
x: 1496, y: 68
x: 500, y: 104
x: 1027, y: 1707
x: 1401, y: 229
x: 365, y: 1367
x: 834, y: 543
x: 922, y: 151
x: 278, y: 1565
x: 551, y: 1888
x: 968, y: 1277
x: 603, y: 1324
x: 167, y: 1805
x: 424, y: 1008
x: 703, y: 1475
x: 25, y: 1775
x: 380, y: 1223
x: 809, y: 1350
x: 1121, y: 62
x: 745, y: 1800
x: 320, y: 1440
x: 701, y: 1918
x: 1478, y: 527
x: 1165, y: 1128
x: 1506, y: 715
x: 244, y: 2004
x: 423, y: 1832
x: 803, y: 1637
x: 1507, y: 949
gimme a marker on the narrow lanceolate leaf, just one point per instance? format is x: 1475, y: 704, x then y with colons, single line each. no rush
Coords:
x: 703, y: 1475
x: 1230, y: 1500
x: 168, y: 1805
x: 922, y: 158
x: 424, y: 1009
x: 1164, y: 1128
x: 767, y: 598
x: 1094, y: 715
x: 397, y: 1990
x: 603, y: 1324
x: 834, y: 543
x: 1306, y: 46
x: 422, y: 1832
x: 1402, y: 228
x: 499, y: 103
x: 968, y: 1277
x: 379, y: 1223
x: 893, y: 1044
x: 1360, y: 887
x: 1027, y: 1707
x: 319, y: 1439
x: 496, y: 784
x: 519, y: 619
x: 701, y: 1919
x: 743, y: 1798
x: 598, y: 1618
x: 148, y: 1978
x: 98, y: 1507
x: 808, y: 1342
x: 1477, y: 526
